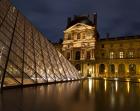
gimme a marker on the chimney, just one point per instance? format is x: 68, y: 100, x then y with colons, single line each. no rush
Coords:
x: 95, y: 19
x: 68, y: 21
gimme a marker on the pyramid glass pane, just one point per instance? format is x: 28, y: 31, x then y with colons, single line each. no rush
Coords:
x: 26, y: 56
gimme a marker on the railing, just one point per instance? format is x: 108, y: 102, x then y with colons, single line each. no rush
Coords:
x: 119, y: 76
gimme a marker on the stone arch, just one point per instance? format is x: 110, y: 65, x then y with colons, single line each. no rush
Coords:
x: 112, y: 68
x: 121, y: 69
x: 101, y: 69
x: 132, y: 69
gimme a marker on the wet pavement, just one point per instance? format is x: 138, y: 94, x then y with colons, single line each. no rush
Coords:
x: 87, y: 95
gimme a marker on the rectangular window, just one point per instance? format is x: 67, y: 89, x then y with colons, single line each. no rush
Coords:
x: 131, y: 54
x: 83, y: 35
x: 69, y: 36
x: 78, y: 36
x: 88, y: 54
x: 111, y: 55
x: 121, y: 55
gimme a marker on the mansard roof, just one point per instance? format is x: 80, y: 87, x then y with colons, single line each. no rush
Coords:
x: 80, y: 19
x: 120, y: 38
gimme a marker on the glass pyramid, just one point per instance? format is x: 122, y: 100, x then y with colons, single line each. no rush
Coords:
x: 26, y: 57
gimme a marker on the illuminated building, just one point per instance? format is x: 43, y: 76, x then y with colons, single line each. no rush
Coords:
x: 100, y: 57
x: 79, y: 43
x: 26, y: 56
x: 118, y: 57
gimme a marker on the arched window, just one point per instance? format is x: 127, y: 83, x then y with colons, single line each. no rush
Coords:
x: 102, y: 69
x: 112, y: 68
x: 132, y: 69
x: 121, y: 69
x: 77, y: 55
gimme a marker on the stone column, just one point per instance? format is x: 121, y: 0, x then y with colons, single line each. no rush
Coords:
x: 71, y: 55
x: 92, y: 54
x: 127, y: 69
x: 107, y: 70
x: 82, y: 54
x: 97, y: 70
x: 116, y: 70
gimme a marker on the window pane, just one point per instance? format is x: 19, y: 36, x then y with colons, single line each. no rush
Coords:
x: 4, y: 39
x: 111, y: 55
x: 121, y: 55
x: 10, y: 81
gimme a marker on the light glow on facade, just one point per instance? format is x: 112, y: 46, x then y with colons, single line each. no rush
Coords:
x: 83, y: 41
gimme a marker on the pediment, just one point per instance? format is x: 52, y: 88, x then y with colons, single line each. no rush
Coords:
x: 79, y: 26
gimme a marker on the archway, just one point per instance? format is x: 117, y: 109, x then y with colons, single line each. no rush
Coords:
x: 112, y: 68
x: 102, y: 69
x: 121, y: 69
x: 132, y: 69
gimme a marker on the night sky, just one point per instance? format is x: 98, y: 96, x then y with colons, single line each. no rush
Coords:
x: 117, y: 17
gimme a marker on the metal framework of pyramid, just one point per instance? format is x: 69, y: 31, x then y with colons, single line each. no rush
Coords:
x: 26, y: 57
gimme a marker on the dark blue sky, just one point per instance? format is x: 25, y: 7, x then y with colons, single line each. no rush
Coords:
x: 118, y: 17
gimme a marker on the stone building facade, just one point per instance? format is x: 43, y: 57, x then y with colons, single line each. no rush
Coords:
x: 100, y: 57
x: 79, y: 43
x: 119, y: 56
